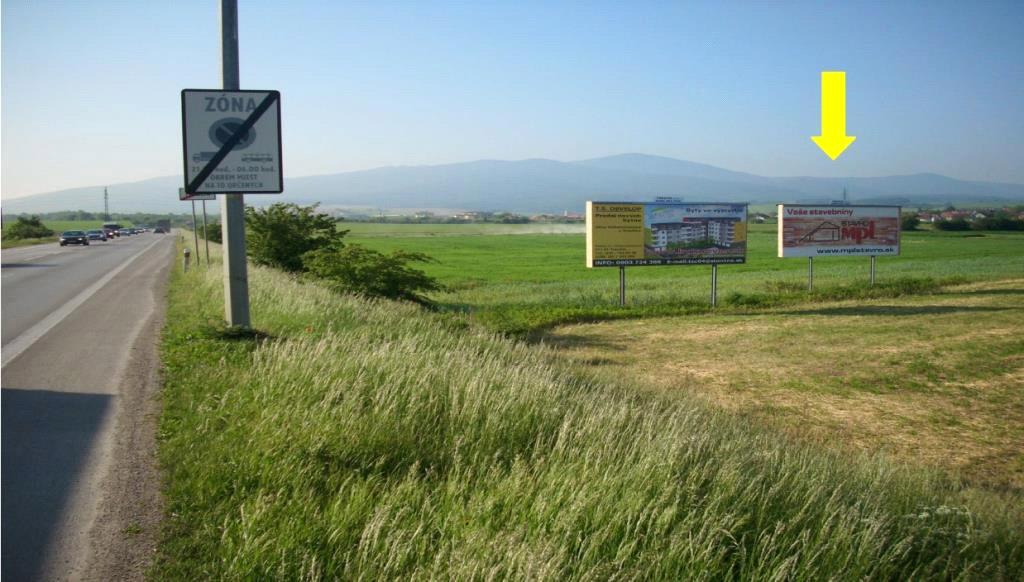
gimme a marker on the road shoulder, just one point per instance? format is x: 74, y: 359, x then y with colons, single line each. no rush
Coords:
x: 127, y: 527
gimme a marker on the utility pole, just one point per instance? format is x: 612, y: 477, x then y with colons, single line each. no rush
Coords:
x: 232, y: 206
x: 106, y: 205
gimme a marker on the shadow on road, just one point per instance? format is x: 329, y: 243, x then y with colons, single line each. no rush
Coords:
x: 46, y: 438
x: 24, y: 265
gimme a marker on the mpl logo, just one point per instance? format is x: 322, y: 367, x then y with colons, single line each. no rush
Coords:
x: 857, y: 230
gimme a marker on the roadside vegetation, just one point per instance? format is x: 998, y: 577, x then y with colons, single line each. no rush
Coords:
x: 298, y: 239
x: 350, y: 438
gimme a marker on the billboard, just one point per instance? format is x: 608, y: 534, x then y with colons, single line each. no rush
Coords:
x: 837, y: 231
x: 630, y: 234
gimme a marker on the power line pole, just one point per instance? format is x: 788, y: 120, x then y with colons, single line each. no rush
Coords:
x: 106, y: 205
x: 232, y: 206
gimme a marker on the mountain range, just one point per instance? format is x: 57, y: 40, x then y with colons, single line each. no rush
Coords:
x: 541, y: 185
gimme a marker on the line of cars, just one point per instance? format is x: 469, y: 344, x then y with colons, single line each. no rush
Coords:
x: 109, y: 231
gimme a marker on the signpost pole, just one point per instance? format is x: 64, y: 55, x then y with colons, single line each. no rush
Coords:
x: 195, y: 230
x: 714, y: 285
x: 872, y: 270
x: 622, y: 286
x: 810, y: 274
x: 206, y: 237
x: 232, y: 206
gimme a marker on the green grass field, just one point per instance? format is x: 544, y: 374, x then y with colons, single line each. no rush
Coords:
x: 353, y: 439
x: 529, y: 282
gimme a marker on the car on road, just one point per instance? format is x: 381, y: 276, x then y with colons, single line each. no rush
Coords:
x: 74, y: 237
x: 96, y: 235
x: 125, y: 232
x: 112, y: 229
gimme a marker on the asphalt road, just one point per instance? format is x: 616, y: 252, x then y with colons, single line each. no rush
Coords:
x: 76, y: 320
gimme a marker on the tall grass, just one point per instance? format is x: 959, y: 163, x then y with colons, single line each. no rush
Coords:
x: 369, y: 440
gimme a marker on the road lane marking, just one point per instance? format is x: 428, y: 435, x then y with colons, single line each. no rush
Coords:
x: 15, y: 347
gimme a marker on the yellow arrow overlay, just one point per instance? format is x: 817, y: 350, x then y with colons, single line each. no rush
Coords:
x: 833, y: 139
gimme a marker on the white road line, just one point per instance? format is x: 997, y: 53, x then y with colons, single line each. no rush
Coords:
x: 15, y: 347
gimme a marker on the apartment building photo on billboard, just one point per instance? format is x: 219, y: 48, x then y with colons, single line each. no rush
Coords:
x: 696, y: 233
x: 691, y: 232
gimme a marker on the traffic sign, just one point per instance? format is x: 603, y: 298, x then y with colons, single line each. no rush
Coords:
x: 183, y: 196
x: 232, y: 141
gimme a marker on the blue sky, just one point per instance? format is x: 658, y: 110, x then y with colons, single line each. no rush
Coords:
x: 90, y: 89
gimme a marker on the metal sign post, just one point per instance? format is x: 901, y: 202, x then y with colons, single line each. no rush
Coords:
x: 872, y: 270
x: 622, y: 286
x: 714, y: 285
x: 195, y: 230
x: 810, y: 274
x: 206, y: 237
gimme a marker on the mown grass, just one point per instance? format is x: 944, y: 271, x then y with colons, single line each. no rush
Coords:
x: 928, y: 378
x: 527, y: 284
x: 370, y: 440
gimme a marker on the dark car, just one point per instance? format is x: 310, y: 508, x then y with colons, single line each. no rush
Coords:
x: 112, y: 229
x: 74, y: 237
x: 125, y: 232
x: 97, y: 235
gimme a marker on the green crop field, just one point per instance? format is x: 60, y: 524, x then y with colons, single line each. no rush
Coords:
x: 528, y: 282
x: 357, y: 439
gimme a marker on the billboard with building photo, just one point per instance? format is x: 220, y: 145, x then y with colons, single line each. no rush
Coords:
x: 626, y: 234
x: 836, y: 231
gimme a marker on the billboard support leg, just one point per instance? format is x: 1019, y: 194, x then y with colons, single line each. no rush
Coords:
x: 872, y: 270
x: 714, y: 285
x: 810, y: 274
x: 195, y: 231
x: 622, y: 286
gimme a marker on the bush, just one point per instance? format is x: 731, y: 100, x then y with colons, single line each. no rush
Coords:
x: 998, y: 222
x: 955, y: 225
x: 363, y: 271
x: 278, y: 236
x: 213, y: 232
x: 909, y: 221
x: 28, y: 227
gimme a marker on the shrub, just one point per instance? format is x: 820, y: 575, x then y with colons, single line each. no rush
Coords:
x: 363, y: 271
x: 28, y: 227
x: 956, y: 224
x: 909, y: 221
x: 278, y: 236
x: 1000, y: 221
x: 213, y: 232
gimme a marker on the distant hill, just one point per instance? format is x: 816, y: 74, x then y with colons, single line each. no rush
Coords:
x: 540, y: 185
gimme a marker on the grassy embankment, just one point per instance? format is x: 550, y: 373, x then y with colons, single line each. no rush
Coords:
x: 57, y: 226
x: 528, y: 283
x: 353, y: 439
x: 920, y: 366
